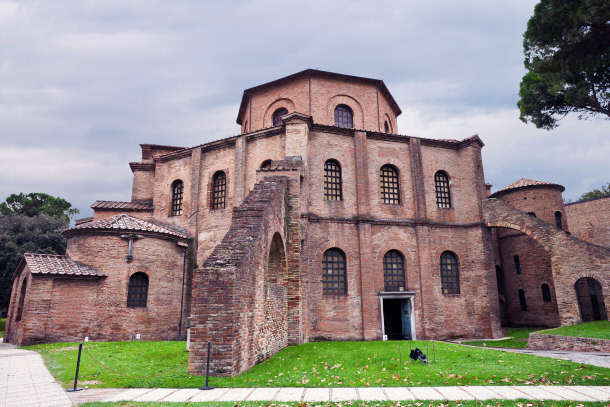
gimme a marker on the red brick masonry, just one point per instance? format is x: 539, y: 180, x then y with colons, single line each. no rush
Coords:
x: 559, y: 342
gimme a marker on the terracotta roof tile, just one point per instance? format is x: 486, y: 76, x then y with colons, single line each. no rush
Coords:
x: 130, y: 223
x: 526, y: 182
x: 134, y: 206
x: 55, y: 264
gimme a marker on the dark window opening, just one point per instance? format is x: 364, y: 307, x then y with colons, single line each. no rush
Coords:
x: 532, y: 214
x: 21, y: 300
x: 590, y: 299
x: 333, y: 272
x: 266, y: 164
x: 499, y: 280
x: 450, y: 273
x: 219, y: 182
x: 277, y: 116
x: 546, y: 293
x: 558, y: 222
x: 393, y: 271
x: 138, y: 290
x: 522, y: 303
x: 332, y: 181
x: 344, y: 117
x: 390, y: 189
x: 386, y: 127
x: 441, y: 184
x: 517, y: 264
x: 177, y: 196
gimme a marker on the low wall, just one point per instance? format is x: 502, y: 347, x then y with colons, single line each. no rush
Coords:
x: 559, y: 342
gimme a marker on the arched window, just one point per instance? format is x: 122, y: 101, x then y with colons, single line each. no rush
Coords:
x: 219, y: 189
x: 522, y: 302
x: 393, y: 271
x: 332, y: 181
x: 21, y: 300
x: 390, y: 190
x: 245, y: 127
x: 546, y: 293
x: 532, y: 214
x: 517, y: 264
x: 386, y: 127
x: 177, y: 195
x: 590, y: 299
x: 266, y: 164
x: 277, y: 116
x: 334, y: 272
x: 499, y: 280
x: 137, y: 293
x: 344, y: 117
x: 558, y: 222
x: 450, y: 273
x: 441, y: 184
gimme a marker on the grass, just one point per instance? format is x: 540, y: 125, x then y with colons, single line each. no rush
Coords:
x: 317, y: 364
x: 594, y: 329
x: 2, y: 326
x: 418, y: 403
x: 518, y: 339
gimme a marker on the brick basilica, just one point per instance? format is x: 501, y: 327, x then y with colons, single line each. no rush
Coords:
x: 318, y: 222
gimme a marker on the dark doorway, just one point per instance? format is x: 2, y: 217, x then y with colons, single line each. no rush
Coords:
x: 397, y: 318
x: 590, y: 299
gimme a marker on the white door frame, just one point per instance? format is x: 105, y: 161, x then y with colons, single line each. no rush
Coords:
x: 402, y: 295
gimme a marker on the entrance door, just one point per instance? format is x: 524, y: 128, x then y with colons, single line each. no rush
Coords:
x: 397, y: 318
x: 590, y: 299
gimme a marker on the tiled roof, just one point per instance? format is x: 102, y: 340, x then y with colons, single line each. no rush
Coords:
x: 129, y: 223
x: 56, y: 264
x: 525, y: 182
x: 133, y: 206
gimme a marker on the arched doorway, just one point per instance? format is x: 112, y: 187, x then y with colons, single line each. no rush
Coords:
x: 590, y: 299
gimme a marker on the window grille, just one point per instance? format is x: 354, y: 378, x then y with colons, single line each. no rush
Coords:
x: 332, y: 181
x: 443, y: 195
x: 277, y: 116
x: 390, y: 190
x: 138, y: 290
x: 177, y: 196
x: 333, y: 269
x: 558, y: 222
x: 450, y: 273
x: 344, y: 117
x: 517, y: 264
x: 522, y: 302
x: 219, y: 190
x: 546, y: 293
x: 393, y: 271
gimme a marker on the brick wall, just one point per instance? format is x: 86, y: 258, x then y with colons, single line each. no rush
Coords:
x: 590, y: 220
x: 539, y: 341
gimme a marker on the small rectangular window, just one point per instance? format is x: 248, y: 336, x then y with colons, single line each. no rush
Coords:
x: 517, y: 264
x: 522, y: 300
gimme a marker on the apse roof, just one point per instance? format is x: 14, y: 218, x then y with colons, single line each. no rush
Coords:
x: 134, y: 206
x: 56, y: 264
x: 526, y: 183
x: 127, y: 223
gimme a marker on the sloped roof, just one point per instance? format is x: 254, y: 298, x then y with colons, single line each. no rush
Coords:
x: 56, y: 264
x: 133, y: 206
x: 526, y: 182
x: 127, y: 223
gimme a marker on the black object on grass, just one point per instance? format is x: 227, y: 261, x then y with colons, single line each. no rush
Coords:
x: 417, y: 354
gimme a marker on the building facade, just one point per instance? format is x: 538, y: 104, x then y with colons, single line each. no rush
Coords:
x: 318, y: 222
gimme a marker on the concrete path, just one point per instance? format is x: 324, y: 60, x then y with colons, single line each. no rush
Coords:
x: 601, y: 359
x: 285, y: 394
x: 25, y: 380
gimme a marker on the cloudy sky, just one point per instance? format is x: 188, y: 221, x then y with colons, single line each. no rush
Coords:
x: 82, y: 83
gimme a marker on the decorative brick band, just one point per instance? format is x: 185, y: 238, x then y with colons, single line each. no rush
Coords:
x: 569, y: 343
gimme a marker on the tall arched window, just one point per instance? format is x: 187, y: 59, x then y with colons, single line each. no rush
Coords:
x: 245, y: 127
x: 390, y: 189
x: 443, y: 194
x: 344, y: 117
x: 334, y: 279
x: 522, y: 302
x: 137, y: 293
x: 546, y: 293
x: 386, y: 127
x: 219, y: 189
x: 558, y: 222
x: 517, y: 264
x: 177, y: 196
x: 332, y: 181
x: 393, y: 271
x: 277, y: 116
x: 450, y: 273
x: 21, y: 304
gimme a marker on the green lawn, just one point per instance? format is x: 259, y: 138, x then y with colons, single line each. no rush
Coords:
x: 418, y: 403
x: 518, y: 339
x: 2, y: 326
x: 316, y: 364
x: 594, y: 329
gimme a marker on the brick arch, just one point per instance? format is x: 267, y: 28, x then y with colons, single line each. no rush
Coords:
x: 348, y: 101
x: 282, y: 102
x: 571, y: 258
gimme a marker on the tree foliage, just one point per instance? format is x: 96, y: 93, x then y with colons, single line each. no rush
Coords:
x: 30, y: 223
x: 597, y: 193
x: 567, y: 55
